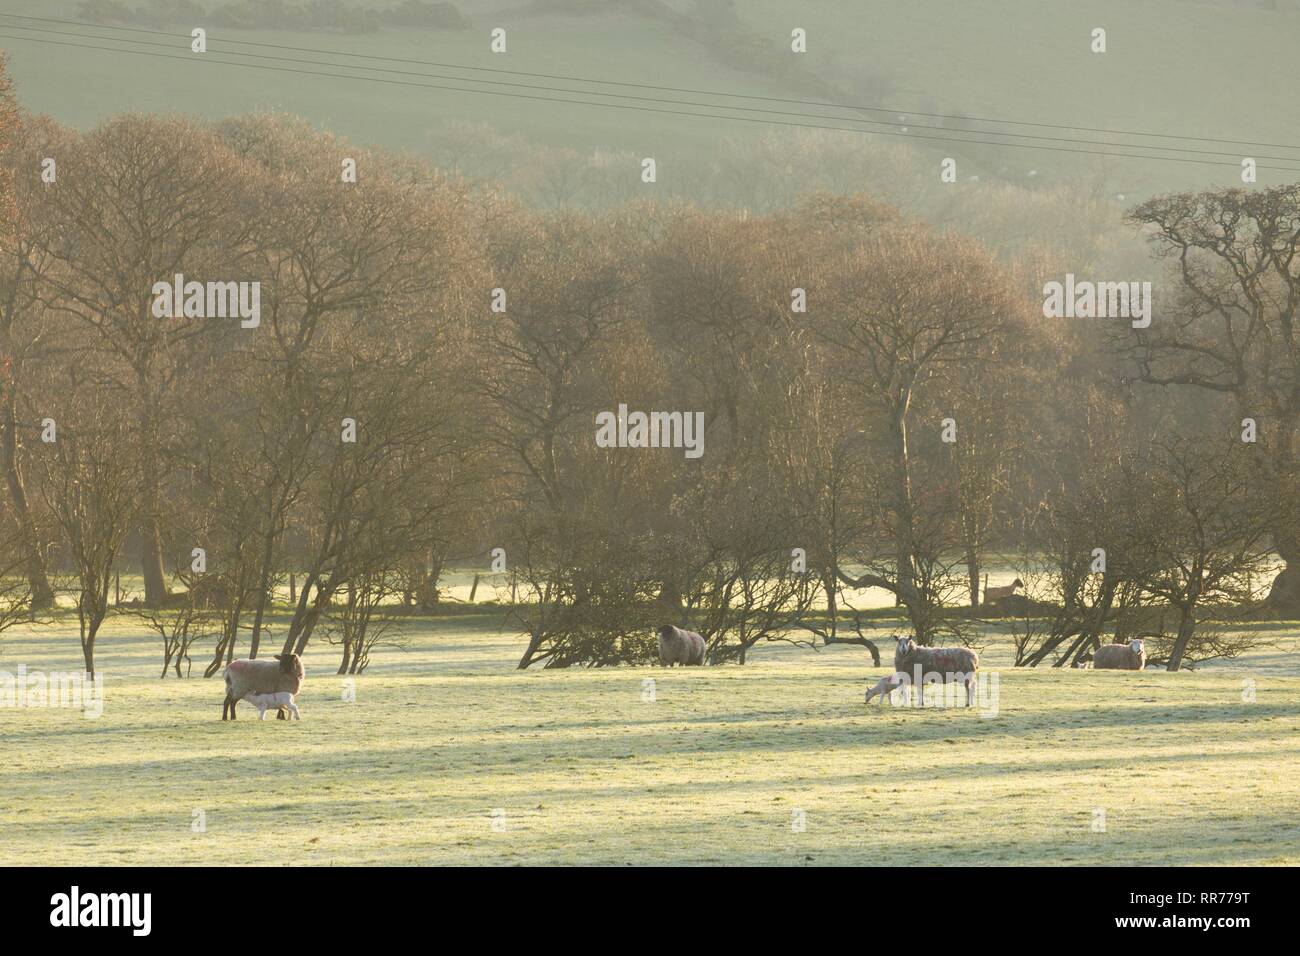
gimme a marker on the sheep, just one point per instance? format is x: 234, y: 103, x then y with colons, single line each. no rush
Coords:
x: 677, y: 646
x: 1121, y: 657
x: 284, y: 673
x: 994, y: 595
x: 264, y: 702
x: 947, y: 663
x: 884, y: 687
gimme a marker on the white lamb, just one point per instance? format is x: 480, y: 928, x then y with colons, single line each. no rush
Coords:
x: 265, y: 702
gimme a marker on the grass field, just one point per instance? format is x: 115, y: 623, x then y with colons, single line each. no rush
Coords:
x: 580, y: 768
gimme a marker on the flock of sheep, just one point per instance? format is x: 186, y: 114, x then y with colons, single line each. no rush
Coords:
x: 275, y: 683
x: 914, y: 664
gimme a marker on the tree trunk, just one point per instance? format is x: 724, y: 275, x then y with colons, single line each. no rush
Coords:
x: 1186, y: 627
x: 37, y: 577
x: 427, y: 594
x: 304, y: 622
x: 534, y: 643
x: 263, y: 584
x: 905, y: 523
x: 973, y: 575
x: 151, y: 563
x: 1284, y: 594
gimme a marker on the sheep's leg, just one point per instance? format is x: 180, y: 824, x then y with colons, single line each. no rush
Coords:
x: 294, y: 709
x: 261, y: 713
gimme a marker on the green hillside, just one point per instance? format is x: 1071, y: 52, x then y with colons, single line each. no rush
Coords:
x: 1164, y: 72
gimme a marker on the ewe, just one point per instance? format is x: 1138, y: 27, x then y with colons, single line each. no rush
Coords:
x: 1121, y: 657
x: 677, y: 646
x: 944, y: 664
x: 284, y: 673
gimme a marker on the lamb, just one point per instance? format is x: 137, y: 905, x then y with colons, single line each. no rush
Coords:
x: 994, y: 595
x: 1120, y: 657
x: 284, y: 673
x: 677, y: 646
x: 264, y: 702
x: 947, y: 663
x: 884, y: 687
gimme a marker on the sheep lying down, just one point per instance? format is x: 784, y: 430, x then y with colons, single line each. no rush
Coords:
x: 264, y: 702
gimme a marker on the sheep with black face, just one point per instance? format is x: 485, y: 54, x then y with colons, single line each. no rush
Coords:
x: 678, y: 646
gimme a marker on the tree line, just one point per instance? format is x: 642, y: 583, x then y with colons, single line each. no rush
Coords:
x: 884, y: 406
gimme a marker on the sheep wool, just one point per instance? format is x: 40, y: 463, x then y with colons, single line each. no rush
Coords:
x: 930, y: 663
x: 243, y: 677
x: 1120, y: 657
x: 884, y: 687
x: 264, y: 702
x: 678, y: 646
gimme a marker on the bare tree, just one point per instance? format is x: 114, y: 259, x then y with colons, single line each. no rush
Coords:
x: 903, y: 307
x: 1234, y: 329
x: 365, y: 619
x: 139, y: 201
x: 1215, y: 522
x: 89, y: 485
x: 28, y: 334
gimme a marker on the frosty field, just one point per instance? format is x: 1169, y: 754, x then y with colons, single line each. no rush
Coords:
x: 450, y: 756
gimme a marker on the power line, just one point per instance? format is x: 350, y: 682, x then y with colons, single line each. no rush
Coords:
x: 904, y: 127
x: 208, y: 58
x: 670, y: 89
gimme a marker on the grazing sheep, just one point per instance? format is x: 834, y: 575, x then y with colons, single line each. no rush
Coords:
x: 994, y: 595
x: 1120, y: 657
x: 947, y: 663
x: 677, y: 646
x: 264, y: 702
x: 284, y: 673
x: 884, y: 687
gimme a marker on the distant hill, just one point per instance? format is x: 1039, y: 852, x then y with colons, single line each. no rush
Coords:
x: 1172, y: 67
